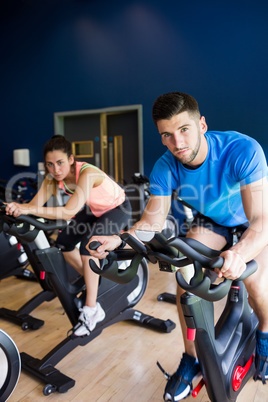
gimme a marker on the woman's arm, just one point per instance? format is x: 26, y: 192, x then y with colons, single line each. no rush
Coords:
x: 88, y: 179
x: 40, y: 198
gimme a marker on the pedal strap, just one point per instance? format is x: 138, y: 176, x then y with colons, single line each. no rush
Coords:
x: 166, y: 374
x: 78, y: 325
x: 181, y: 379
x: 178, y: 379
x: 261, y: 364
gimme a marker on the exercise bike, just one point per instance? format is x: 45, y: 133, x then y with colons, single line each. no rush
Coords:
x: 10, y: 364
x: 117, y: 301
x: 22, y: 316
x: 226, y: 350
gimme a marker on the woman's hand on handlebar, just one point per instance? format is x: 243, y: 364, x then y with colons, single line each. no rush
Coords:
x: 108, y: 243
x: 233, y: 266
x: 15, y: 209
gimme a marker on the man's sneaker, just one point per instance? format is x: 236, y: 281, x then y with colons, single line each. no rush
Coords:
x: 179, y: 384
x: 261, y: 358
x: 88, y: 319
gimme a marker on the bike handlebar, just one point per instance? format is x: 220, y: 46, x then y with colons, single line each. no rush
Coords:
x: 152, y: 246
x: 21, y: 226
x: 157, y: 248
x: 109, y: 267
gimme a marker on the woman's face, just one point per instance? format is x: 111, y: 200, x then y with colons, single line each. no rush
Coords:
x: 58, y: 164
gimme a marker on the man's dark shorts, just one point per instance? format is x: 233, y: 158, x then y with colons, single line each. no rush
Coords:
x: 227, y: 232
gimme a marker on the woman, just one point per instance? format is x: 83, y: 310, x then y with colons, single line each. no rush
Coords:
x: 97, y: 205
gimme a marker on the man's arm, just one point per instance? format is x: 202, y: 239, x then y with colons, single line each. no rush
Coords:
x: 153, y: 219
x: 255, y: 238
x: 154, y: 215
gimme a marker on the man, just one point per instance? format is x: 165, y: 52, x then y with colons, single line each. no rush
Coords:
x: 223, y: 176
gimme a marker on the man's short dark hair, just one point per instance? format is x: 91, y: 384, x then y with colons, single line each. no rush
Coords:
x: 170, y: 104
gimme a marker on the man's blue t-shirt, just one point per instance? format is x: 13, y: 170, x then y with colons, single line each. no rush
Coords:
x: 233, y: 160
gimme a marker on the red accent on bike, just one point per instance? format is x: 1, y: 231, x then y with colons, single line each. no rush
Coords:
x: 42, y: 274
x: 197, y: 389
x: 240, y: 373
x: 18, y: 246
x: 191, y: 334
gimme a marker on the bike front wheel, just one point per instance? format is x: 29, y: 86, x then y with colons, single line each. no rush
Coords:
x: 10, y: 364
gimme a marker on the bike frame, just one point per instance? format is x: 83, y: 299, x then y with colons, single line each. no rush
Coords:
x: 226, y: 350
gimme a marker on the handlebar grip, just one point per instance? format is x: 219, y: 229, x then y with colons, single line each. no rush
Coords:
x: 47, y: 224
x: 216, y: 263
x: 252, y: 267
x: 110, y: 269
x: 134, y: 243
x: 94, y: 245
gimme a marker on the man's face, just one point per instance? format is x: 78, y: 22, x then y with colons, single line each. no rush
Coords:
x: 183, y: 135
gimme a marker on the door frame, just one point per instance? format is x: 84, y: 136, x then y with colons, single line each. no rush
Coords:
x: 60, y: 116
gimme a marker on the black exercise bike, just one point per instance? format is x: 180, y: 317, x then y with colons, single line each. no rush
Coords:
x: 117, y: 301
x: 226, y: 350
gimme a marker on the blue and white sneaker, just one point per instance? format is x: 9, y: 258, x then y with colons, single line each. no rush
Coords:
x: 179, y: 385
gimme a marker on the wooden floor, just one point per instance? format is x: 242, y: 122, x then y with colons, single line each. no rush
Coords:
x: 120, y: 364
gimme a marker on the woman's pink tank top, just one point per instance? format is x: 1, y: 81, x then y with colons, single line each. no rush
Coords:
x: 108, y: 195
